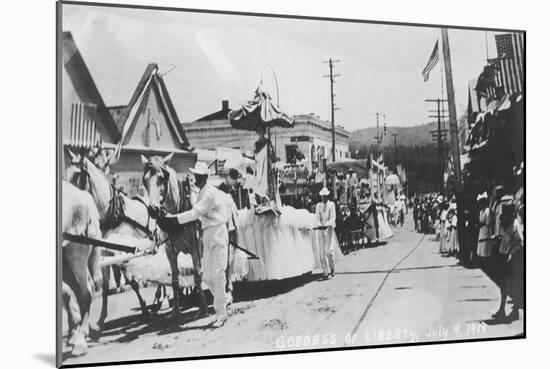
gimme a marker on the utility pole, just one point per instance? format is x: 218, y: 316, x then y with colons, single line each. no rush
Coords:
x: 332, y: 76
x: 379, y: 135
x: 440, y: 136
x: 453, y: 128
x: 395, y: 147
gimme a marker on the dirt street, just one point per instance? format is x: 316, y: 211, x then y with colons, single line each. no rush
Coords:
x: 401, y: 291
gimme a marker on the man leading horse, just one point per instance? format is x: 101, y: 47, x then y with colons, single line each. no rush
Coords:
x: 211, y: 208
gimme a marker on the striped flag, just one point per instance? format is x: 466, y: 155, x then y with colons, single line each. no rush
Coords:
x: 434, y: 58
x: 509, y: 62
x: 83, y: 132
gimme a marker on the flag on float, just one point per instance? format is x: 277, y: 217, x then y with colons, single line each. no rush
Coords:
x: 432, y: 62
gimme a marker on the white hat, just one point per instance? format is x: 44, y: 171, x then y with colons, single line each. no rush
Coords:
x: 324, y: 192
x: 201, y: 168
x: 402, y: 197
x: 506, y: 198
x: 482, y: 196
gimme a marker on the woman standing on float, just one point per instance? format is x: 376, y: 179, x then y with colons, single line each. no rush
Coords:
x: 264, y: 157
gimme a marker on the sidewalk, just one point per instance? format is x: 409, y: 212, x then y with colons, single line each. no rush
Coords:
x: 431, y: 298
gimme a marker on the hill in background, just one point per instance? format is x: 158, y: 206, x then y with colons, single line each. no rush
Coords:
x: 407, y: 136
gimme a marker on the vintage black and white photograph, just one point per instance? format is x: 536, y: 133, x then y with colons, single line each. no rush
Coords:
x: 237, y: 183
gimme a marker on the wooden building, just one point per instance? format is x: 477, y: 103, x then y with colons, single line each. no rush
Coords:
x: 148, y: 125
x: 85, y: 121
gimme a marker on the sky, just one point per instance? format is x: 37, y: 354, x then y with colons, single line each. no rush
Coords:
x: 215, y: 57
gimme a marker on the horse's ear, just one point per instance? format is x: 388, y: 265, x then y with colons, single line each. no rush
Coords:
x: 144, y: 160
x: 167, y: 158
x: 72, y: 155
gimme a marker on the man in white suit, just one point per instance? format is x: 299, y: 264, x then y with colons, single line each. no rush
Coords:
x: 326, y: 214
x: 212, y: 209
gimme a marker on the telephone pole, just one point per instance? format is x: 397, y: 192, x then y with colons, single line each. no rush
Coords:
x: 439, y: 136
x: 379, y: 134
x: 395, y: 147
x: 332, y: 76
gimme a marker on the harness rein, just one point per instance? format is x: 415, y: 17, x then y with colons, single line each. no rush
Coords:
x: 116, y: 214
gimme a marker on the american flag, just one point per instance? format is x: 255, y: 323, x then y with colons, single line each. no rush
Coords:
x: 83, y: 132
x: 434, y: 58
x: 509, y: 62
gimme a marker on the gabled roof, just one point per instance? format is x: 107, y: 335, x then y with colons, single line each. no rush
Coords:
x: 116, y: 113
x: 122, y: 114
x: 85, y: 86
x: 219, y: 115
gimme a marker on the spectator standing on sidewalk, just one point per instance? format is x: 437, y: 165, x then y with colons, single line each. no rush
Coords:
x: 483, y: 244
x: 510, y: 258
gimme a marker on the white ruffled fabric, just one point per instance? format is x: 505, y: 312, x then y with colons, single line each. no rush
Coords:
x: 155, y: 268
x: 286, y: 245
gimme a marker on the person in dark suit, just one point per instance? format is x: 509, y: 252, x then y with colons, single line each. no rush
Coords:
x: 233, y: 187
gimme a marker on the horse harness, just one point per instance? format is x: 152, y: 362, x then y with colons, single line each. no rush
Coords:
x: 116, y: 214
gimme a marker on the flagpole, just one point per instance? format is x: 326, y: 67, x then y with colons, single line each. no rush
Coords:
x: 486, y: 48
x: 442, y: 75
x: 453, y: 129
x: 453, y: 126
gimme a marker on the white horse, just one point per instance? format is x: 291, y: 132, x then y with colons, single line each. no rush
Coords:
x: 120, y: 217
x: 79, y: 217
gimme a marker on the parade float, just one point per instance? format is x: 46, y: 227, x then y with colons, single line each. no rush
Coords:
x: 282, y: 237
x: 274, y: 241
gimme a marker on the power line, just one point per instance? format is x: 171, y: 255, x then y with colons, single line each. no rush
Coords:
x: 332, y: 76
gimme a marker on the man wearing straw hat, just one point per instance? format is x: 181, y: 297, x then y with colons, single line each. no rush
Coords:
x: 326, y: 214
x: 212, y: 209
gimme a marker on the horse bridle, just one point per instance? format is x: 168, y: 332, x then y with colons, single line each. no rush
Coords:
x: 183, y: 188
x: 115, y: 207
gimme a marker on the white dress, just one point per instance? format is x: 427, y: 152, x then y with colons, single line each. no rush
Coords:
x: 483, y: 248
x: 261, y: 175
x: 443, y: 248
x: 383, y: 225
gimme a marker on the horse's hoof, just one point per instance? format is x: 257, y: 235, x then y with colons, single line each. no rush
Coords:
x: 80, y: 347
x: 100, y: 325
x: 95, y: 333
